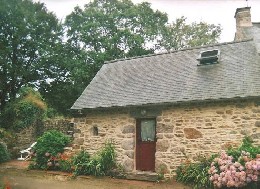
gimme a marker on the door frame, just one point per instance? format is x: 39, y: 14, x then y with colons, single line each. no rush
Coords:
x: 137, y: 141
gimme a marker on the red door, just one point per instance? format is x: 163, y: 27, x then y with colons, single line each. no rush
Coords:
x: 145, y: 144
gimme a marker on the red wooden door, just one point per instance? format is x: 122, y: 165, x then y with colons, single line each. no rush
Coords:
x: 145, y: 144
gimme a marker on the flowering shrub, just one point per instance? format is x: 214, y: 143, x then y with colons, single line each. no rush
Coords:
x: 226, y: 172
x: 253, y: 169
x: 50, y: 157
x: 60, y: 162
x: 234, y: 168
x: 48, y: 149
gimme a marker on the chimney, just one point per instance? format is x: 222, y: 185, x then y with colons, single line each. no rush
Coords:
x: 243, y: 19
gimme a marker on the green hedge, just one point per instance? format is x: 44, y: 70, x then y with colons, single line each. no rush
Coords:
x: 4, y: 155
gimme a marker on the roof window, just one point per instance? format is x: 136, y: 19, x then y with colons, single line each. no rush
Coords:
x: 209, y: 57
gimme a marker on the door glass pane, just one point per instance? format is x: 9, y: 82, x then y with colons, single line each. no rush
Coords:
x: 148, y: 130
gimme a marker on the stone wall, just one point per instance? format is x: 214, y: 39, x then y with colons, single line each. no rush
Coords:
x: 182, y: 132
x: 186, y: 132
x: 25, y: 138
x: 93, y: 131
x: 29, y: 135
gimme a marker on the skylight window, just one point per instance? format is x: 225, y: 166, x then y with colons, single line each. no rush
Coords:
x: 209, y: 57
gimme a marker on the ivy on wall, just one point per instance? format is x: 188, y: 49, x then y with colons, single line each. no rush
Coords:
x: 25, y: 110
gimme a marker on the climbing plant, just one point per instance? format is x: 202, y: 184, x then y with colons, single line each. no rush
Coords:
x: 24, y: 111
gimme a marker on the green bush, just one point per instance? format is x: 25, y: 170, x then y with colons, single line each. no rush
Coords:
x: 25, y: 110
x: 195, y: 174
x: 65, y: 165
x: 99, y: 165
x: 4, y: 155
x: 104, y: 161
x: 107, y: 158
x: 48, y: 146
x: 81, y: 163
x: 246, y: 146
x: 9, y: 139
x: 49, y: 155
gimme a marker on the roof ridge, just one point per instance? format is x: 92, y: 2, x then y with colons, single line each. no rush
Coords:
x: 174, y: 51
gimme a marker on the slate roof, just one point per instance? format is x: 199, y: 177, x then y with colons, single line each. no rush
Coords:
x: 175, y: 77
x: 254, y: 32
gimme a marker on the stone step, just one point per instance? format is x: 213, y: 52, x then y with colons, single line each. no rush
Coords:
x: 142, y: 175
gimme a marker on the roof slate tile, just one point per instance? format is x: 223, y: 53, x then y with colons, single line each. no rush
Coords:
x: 175, y: 77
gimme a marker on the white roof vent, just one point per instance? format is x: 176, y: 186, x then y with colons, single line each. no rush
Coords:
x: 209, y: 57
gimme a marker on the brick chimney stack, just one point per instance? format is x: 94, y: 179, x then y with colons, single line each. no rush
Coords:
x: 243, y: 19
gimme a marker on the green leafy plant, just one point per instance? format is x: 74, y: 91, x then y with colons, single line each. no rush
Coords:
x: 161, y: 171
x: 106, y: 158
x: 102, y: 163
x: 65, y: 165
x: 247, y: 146
x: 214, y: 172
x: 195, y: 174
x: 25, y: 110
x: 4, y: 155
x: 9, y: 138
x: 81, y: 163
x: 60, y: 162
x: 48, y: 146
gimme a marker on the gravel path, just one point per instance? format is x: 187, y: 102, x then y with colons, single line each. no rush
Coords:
x: 20, y: 178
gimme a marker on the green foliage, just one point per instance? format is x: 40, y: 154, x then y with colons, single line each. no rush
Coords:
x: 49, y: 144
x: 99, y: 165
x: 161, y: 171
x: 246, y: 146
x: 4, y: 155
x: 65, y: 165
x: 30, y: 47
x: 114, y: 29
x: 106, y: 30
x: 81, y: 163
x: 49, y: 156
x: 179, y: 34
x: 195, y: 174
x: 25, y: 110
x: 106, y: 159
x: 9, y: 138
x: 33, y: 51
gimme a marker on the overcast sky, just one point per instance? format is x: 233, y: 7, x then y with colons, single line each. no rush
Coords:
x: 211, y: 11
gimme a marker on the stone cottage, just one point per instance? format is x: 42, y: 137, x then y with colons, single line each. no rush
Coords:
x: 161, y: 109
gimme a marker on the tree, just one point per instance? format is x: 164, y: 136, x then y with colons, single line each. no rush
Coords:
x: 113, y: 29
x: 30, y: 47
x: 61, y: 93
x: 103, y: 31
x: 34, y: 52
x: 179, y: 34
